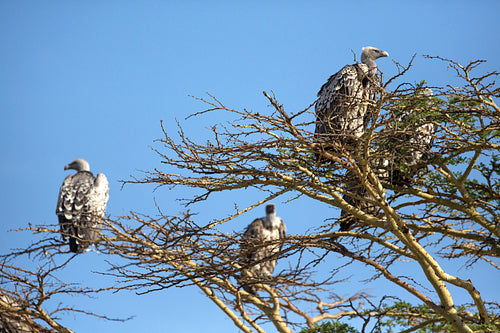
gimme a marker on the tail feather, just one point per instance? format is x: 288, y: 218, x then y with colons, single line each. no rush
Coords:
x: 75, y: 246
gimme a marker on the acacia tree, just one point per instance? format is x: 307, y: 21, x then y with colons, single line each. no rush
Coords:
x: 446, y: 207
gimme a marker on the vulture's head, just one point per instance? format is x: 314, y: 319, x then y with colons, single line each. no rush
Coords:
x: 369, y: 55
x: 428, y: 92
x: 79, y: 165
x: 270, y: 209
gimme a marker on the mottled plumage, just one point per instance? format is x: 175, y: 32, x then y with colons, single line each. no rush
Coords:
x: 342, y: 108
x: 343, y: 111
x: 81, y: 206
x: 413, y: 138
x: 257, y: 262
x: 14, y: 321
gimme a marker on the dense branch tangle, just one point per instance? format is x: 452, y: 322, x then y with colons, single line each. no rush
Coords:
x: 174, y: 251
x: 454, y: 197
x: 26, y: 292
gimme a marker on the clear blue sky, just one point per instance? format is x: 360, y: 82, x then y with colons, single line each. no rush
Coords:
x: 93, y: 79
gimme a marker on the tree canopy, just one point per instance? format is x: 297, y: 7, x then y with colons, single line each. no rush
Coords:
x: 445, y: 207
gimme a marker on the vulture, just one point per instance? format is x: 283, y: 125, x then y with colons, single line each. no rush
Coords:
x: 259, y: 262
x: 343, y: 113
x: 81, y: 205
x: 342, y: 109
x: 413, y: 136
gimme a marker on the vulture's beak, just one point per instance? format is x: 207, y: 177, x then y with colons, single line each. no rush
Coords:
x: 66, y: 167
x: 384, y: 54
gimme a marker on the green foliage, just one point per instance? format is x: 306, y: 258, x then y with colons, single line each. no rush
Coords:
x: 331, y: 327
x: 400, y: 316
x: 405, y: 316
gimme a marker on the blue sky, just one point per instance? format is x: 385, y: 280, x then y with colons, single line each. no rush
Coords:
x: 93, y: 79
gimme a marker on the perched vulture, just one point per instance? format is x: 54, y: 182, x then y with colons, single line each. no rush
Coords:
x: 342, y: 108
x: 81, y: 205
x: 259, y: 262
x: 413, y: 137
x: 343, y: 113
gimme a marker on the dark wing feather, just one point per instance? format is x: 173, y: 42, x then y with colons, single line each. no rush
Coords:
x: 254, y: 230
x: 282, y: 229
x: 250, y: 238
x: 253, y: 235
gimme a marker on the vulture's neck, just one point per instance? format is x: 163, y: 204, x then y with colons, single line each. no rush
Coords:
x: 272, y: 221
x: 372, y: 66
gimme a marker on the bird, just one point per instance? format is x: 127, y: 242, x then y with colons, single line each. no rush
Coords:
x: 258, y: 261
x: 342, y: 116
x: 342, y: 107
x: 412, y: 138
x: 81, y: 205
